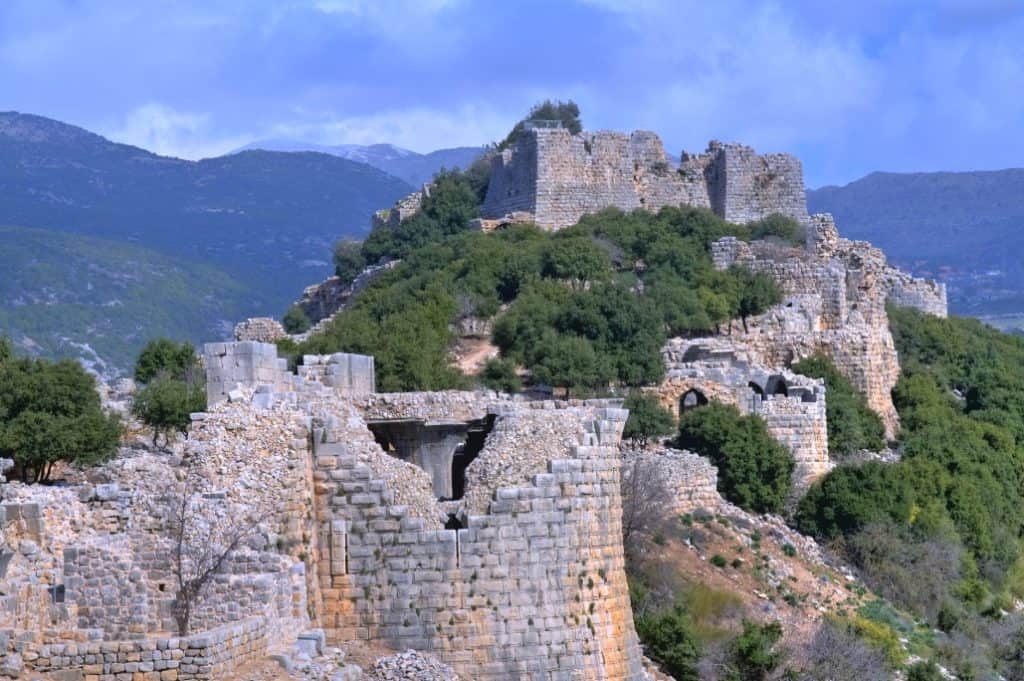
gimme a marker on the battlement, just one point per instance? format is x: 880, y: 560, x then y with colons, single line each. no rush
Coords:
x: 558, y: 177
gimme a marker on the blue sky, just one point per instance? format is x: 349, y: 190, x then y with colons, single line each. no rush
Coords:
x: 849, y: 86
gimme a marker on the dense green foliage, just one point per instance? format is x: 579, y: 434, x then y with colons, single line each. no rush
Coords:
x: 501, y: 375
x: 852, y: 425
x: 939, y: 532
x: 174, y: 387
x: 165, y: 405
x: 348, y: 259
x: 754, y: 470
x: 669, y: 639
x: 164, y: 356
x: 567, y: 113
x: 295, y: 320
x: 755, y: 655
x: 647, y: 418
x: 50, y: 412
x: 585, y: 308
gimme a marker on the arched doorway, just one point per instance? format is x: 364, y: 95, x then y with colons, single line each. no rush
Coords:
x: 691, y: 399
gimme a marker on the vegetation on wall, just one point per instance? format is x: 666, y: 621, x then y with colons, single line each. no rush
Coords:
x: 174, y: 387
x: 582, y: 309
x: 754, y: 470
x: 852, y: 425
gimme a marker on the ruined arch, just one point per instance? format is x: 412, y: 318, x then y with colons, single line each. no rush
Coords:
x: 776, y: 385
x: 691, y: 399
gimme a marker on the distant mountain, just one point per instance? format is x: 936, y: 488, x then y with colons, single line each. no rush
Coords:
x: 966, y: 227
x: 260, y: 221
x: 70, y: 295
x: 266, y: 220
x: 413, y: 167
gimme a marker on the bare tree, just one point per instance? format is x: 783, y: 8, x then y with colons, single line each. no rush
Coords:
x: 202, y: 541
x: 837, y: 654
x: 646, y: 500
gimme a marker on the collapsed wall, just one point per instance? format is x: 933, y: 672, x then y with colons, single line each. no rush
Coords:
x: 557, y: 178
x: 792, y: 406
x: 521, y: 575
x: 836, y: 292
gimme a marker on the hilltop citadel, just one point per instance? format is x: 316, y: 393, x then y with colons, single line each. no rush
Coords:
x: 481, y: 528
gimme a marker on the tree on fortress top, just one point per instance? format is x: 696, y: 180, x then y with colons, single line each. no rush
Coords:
x: 50, y: 412
x: 566, y: 113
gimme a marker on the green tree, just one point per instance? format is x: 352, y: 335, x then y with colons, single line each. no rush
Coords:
x: 755, y: 654
x: 6, y: 349
x: 162, y: 355
x: 669, y: 639
x: 50, y: 412
x: 165, y: 405
x: 754, y: 470
x: 647, y: 418
x: 567, y: 113
x: 570, y: 362
x: 852, y: 425
x: 348, y: 259
x: 577, y: 260
x: 500, y: 374
x: 295, y: 320
x: 755, y: 293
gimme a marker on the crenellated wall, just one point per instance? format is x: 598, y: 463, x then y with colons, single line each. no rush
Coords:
x: 558, y: 177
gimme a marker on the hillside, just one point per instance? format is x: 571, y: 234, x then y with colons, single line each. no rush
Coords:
x: 411, y: 166
x: 72, y: 295
x: 265, y: 219
x: 963, y: 225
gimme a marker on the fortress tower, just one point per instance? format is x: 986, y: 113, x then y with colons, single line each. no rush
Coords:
x: 558, y: 177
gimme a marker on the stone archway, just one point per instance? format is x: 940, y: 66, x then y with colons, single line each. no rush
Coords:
x: 691, y: 399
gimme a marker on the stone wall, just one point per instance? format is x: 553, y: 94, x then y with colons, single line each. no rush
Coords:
x: 389, y: 218
x: 256, y: 367
x: 925, y: 295
x: 208, y: 656
x: 691, y: 479
x: 721, y: 370
x: 259, y: 329
x: 533, y: 587
x: 836, y: 291
x: 558, y: 177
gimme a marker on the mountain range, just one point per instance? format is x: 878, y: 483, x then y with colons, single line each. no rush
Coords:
x: 413, y: 167
x: 257, y: 225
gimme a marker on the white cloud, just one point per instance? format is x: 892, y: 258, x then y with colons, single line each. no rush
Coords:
x: 168, y: 132
x: 419, y: 129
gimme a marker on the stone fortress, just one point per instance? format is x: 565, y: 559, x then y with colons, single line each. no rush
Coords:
x: 481, y: 528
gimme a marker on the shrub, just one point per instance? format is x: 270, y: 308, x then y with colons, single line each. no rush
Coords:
x: 755, y: 655
x: 780, y: 227
x: 165, y: 405
x: 349, y: 260
x: 50, y: 412
x: 852, y: 425
x: 500, y: 374
x: 924, y: 671
x: 162, y: 355
x: 295, y: 320
x: 647, y: 418
x: 754, y: 470
x: 568, y: 113
x: 882, y: 637
x: 719, y: 561
x: 669, y: 639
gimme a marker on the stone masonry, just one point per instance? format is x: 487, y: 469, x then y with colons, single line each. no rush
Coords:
x: 836, y: 292
x: 792, y: 406
x: 558, y: 177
